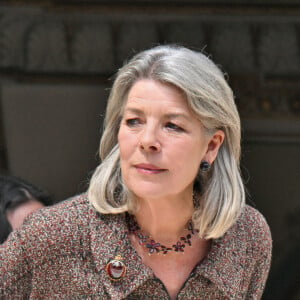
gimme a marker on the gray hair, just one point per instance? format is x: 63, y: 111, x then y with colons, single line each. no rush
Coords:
x: 211, y: 99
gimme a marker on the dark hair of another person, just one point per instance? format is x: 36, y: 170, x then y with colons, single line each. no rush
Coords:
x: 14, y: 192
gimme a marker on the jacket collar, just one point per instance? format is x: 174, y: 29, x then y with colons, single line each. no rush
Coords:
x: 109, y: 237
x: 224, y: 264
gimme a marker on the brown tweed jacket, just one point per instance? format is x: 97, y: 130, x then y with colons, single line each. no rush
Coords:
x: 61, y: 253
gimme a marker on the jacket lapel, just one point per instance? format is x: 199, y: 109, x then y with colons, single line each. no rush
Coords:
x: 109, y: 238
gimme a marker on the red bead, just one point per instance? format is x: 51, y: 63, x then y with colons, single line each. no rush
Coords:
x: 116, y: 269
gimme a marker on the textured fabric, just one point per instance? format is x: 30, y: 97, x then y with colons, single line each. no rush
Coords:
x: 61, y: 253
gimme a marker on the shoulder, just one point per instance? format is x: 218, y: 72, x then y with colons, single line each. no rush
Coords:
x: 55, y: 229
x: 255, y: 228
x: 71, y: 222
x: 253, y: 221
x: 73, y: 217
x: 71, y: 211
x: 242, y: 253
x: 67, y: 226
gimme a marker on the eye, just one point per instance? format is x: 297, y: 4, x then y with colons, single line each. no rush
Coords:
x: 174, y: 127
x: 132, y: 122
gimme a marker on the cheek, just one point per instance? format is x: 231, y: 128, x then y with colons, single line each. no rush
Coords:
x: 191, y: 155
x: 126, y: 144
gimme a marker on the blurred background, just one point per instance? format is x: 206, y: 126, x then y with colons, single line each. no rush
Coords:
x: 57, y: 61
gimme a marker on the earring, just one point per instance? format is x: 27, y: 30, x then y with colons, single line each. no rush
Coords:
x: 205, y: 166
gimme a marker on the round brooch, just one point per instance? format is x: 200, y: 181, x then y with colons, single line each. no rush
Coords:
x: 115, y: 268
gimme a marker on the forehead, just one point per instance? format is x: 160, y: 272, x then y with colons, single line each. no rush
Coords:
x: 150, y: 92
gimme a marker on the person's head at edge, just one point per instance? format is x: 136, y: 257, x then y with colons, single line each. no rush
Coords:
x: 210, y: 101
x: 18, y: 199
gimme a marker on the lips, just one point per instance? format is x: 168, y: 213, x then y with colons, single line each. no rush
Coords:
x: 149, y: 169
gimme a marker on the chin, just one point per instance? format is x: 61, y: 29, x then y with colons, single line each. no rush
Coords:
x: 148, y: 192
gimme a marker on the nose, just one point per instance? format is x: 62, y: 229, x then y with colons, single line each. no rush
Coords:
x: 149, y: 140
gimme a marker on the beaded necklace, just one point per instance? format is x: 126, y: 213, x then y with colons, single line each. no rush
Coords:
x: 155, y: 247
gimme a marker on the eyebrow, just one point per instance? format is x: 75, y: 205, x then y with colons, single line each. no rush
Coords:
x: 133, y: 110
x: 172, y: 115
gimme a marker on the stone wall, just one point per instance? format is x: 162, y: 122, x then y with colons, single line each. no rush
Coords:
x: 259, y: 49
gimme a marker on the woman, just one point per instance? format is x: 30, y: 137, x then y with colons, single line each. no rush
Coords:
x: 164, y: 216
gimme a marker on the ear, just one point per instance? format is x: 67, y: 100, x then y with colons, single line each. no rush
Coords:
x: 214, y: 145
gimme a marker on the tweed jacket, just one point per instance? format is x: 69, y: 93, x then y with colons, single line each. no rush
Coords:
x: 61, y: 252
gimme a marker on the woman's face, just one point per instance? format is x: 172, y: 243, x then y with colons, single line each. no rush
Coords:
x: 161, y: 141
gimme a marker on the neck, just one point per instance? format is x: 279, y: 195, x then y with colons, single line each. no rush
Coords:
x: 165, y: 219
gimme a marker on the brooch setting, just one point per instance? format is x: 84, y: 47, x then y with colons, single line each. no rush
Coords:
x: 116, y: 268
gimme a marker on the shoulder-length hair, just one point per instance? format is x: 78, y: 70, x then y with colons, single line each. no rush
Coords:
x: 221, y: 191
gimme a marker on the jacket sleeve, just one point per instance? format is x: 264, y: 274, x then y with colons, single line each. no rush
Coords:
x: 15, y: 274
x: 262, y: 256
